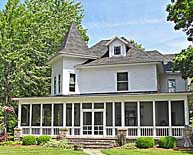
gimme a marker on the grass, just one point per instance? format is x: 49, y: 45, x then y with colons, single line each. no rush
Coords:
x: 144, y: 152
x: 36, y: 150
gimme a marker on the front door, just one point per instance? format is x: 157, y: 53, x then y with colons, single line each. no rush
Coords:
x: 93, y: 123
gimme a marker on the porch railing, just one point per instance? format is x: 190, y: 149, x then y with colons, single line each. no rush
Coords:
x: 157, y: 131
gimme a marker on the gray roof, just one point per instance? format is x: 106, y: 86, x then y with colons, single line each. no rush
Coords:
x: 74, y: 44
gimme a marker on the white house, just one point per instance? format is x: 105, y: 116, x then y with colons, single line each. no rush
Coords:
x: 95, y: 91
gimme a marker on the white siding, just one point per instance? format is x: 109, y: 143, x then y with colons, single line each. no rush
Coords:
x: 181, y: 85
x: 103, y: 79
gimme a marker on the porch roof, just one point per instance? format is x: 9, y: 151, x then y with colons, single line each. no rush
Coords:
x: 186, y: 93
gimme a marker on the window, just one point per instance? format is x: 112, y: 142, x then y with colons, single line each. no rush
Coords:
x: 122, y: 81
x: 171, y: 85
x: 146, y: 113
x: 54, y: 85
x: 117, y: 113
x: 58, y: 114
x: 36, y: 108
x: 25, y: 114
x: 69, y: 114
x: 130, y: 113
x: 46, y: 115
x: 59, y: 83
x: 109, y: 114
x: 117, y: 50
x: 72, y: 82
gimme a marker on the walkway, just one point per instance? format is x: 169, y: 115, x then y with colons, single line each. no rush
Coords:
x: 93, y: 151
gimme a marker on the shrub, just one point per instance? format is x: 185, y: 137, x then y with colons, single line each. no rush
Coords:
x: 167, y: 142
x: 129, y: 146
x: 58, y: 144
x: 29, y: 140
x: 10, y: 143
x: 145, y: 142
x: 43, y: 139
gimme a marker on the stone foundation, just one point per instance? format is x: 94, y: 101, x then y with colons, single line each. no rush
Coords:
x: 17, y: 134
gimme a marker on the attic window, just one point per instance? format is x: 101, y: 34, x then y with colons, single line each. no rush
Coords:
x: 117, y: 50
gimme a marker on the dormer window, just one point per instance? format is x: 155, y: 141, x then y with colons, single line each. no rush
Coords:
x: 117, y: 50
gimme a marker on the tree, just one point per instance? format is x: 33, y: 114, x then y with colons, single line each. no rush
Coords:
x: 137, y: 45
x: 180, y: 12
x: 30, y: 32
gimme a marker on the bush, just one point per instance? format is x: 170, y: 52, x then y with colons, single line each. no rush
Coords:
x: 167, y: 142
x: 58, y: 144
x: 29, y: 140
x: 145, y: 142
x: 43, y: 139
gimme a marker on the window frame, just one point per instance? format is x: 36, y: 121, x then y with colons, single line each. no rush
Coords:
x: 115, y: 50
x: 72, y: 85
x: 171, y: 89
x: 54, y: 83
x: 121, y: 81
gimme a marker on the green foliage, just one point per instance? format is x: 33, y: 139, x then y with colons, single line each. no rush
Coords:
x: 29, y: 140
x: 180, y: 12
x: 43, y: 139
x: 31, y: 32
x: 58, y: 144
x: 145, y: 142
x: 129, y: 146
x: 10, y: 143
x: 167, y: 142
x: 137, y: 45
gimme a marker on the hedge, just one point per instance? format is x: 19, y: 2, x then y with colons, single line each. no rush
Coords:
x: 29, y: 140
x: 167, y: 142
x: 43, y: 139
x: 145, y: 142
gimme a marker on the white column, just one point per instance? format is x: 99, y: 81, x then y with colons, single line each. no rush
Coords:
x: 30, y: 118
x: 72, y: 118
x: 138, y: 118
x: 52, y: 121
x: 64, y: 114
x: 104, y: 120
x: 122, y: 115
x: 113, y: 118
x: 186, y: 111
x: 19, y: 115
x: 170, y: 118
x: 154, y: 120
x: 81, y: 120
x: 41, y: 117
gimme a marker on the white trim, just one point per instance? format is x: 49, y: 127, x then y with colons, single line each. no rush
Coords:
x: 41, y: 116
x: 154, y: 120
x: 19, y: 116
x: 170, y: 117
x: 64, y: 115
x: 52, y: 119
x: 114, y: 38
x: 30, y: 121
x: 122, y: 114
x: 138, y: 118
x: 113, y: 108
x: 186, y: 112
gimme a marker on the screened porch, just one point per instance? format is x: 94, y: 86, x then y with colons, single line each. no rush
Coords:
x: 102, y: 119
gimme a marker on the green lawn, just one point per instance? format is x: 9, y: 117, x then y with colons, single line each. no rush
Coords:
x: 144, y: 152
x: 36, y: 150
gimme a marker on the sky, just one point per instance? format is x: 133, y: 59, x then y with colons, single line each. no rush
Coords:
x: 141, y: 20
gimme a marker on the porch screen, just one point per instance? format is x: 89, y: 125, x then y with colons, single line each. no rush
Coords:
x: 58, y: 114
x: 177, y: 108
x: 109, y: 114
x: 117, y: 113
x: 162, y: 114
x: 146, y: 113
x: 25, y: 114
x: 47, y: 115
x: 130, y: 114
x: 69, y: 114
x: 76, y: 114
x: 36, y: 108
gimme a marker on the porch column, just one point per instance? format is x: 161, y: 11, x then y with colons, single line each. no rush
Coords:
x: 104, y: 120
x: 30, y: 119
x: 64, y: 115
x: 122, y: 115
x: 72, y: 119
x: 41, y: 117
x: 52, y: 120
x: 81, y: 120
x: 170, y: 118
x: 19, y: 116
x: 113, y: 118
x: 138, y: 118
x: 92, y: 119
x: 186, y: 111
x: 154, y: 120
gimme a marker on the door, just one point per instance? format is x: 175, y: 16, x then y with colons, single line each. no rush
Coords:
x: 87, y: 123
x: 98, y: 123
x: 93, y: 123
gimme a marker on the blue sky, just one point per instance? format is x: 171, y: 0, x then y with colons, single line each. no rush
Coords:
x: 141, y: 20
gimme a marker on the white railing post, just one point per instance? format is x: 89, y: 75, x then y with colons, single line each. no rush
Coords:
x: 81, y: 120
x: 30, y: 119
x: 72, y: 118
x: 122, y: 115
x: 64, y: 115
x: 104, y: 120
x: 41, y: 117
x: 138, y: 118
x: 19, y: 116
x: 113, y: 118
x: 52, y: 120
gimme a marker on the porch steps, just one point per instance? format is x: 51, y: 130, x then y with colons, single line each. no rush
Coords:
x: 92, y: 143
